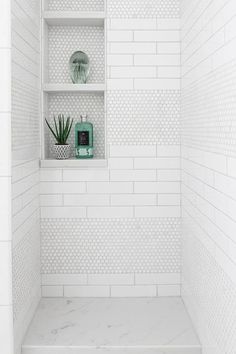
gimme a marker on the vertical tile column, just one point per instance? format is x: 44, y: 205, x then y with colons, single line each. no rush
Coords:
x: 6, y: 318
x: 25, y: 95
x: 209, y: 170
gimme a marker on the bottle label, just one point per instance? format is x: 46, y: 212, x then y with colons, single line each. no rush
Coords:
x: 84, y: 152
x: 83, y: 138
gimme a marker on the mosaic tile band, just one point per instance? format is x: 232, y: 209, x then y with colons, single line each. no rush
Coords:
x: 110, y: 246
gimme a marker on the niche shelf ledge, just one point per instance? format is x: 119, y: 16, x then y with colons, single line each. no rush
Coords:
x: 74, y: 88
x: 73, y: 163
x: 74, y: 18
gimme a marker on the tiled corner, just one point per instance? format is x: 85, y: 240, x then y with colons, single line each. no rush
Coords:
x: 208, y: 171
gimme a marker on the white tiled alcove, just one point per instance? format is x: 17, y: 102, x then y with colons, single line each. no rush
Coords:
x: 67, y: 27
x: 137, y: 194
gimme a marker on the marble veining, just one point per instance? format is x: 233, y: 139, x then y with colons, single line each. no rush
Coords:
x: 142, y: 326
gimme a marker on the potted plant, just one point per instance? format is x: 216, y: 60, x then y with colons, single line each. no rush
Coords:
x: 61, y: 132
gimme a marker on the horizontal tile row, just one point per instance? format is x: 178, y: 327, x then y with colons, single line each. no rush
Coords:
x: 106, y: 199
x: 151, y: 71
x: 147, y: 172
x: 110, y: 212
x: 125, y: 150
x: 109, y: 187
x: 111, y: 279
x: 143, y: 36
x: 144, y: 84
x: 166, y: 54
x: 151, y: 53
x: 144, y: 24
x: 111, y: 291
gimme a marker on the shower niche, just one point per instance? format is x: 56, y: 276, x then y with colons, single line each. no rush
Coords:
x: 68, y: 26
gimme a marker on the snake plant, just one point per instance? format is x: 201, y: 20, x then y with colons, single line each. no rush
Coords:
x: 62, y: 128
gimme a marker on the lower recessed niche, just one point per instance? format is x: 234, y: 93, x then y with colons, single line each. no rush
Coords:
x: 73, y: 105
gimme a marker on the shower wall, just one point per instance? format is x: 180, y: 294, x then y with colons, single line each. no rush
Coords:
x: 25, y: 18
x: 115, y: 231
x: 6, y: 323
x: 209, y: 170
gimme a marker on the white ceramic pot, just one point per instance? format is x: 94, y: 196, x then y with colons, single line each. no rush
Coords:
x: 62, y: 152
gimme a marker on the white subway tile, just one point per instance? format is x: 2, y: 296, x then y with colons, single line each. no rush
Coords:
x: 133, y: 199
x: 230, y: 29
x: 168, y: 48
x: 6, y: 329
x: 50, y: 175
x: 109, y: 187
x: 157, y: 212
x: 5, y: 208
x: 132, y: 48
x: 158, y: 163
x: 169, y: 199
x: 85, y: 175
x: 119, y: 60
x: 5, y: 24
x: 120, y: 163
x: 25, y: 183
x: 168, y: 24
x: 86, y: 199
x: 157, y: 36
x: 133, y: 175
x: 64, y: 279
x: 110, y: 212
x: 63, y: 212
x: 132, y: 150
x: 168, y: 290
x: 225, y: 184
x: 87, y: 291
x: 157, y: 278
x: 168, y: 150
x: 5, y: 144
x: 168, y: 175
x: 156, y: 60
x: 157, y: 187
x: 5, y: 83
x: 62, y: 187
x: 51, y: 200
x: 5, y: 273
x: 157, y: 84
x: 231, y: 167
x: 111, y: 279
x: 133, y: 291
x: 132, y: 71
x: 52, y: 291
x: 224, y: 55
x: 24, y: 214
x: 216, y: 162
x: 120, y: 36
x: 120, y: 84
x: 169, y: 72
x: 132, y: 24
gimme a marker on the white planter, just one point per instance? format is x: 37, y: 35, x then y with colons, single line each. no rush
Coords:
x: 62, y: 152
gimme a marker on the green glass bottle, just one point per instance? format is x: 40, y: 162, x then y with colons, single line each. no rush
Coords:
x: 84, y: 139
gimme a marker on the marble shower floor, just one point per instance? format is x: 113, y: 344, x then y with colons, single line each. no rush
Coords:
x: 119, y: 326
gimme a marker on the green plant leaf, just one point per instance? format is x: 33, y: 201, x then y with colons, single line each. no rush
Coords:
x: 55, y: 136
x: 62, y: 128
x: 55, y: 126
